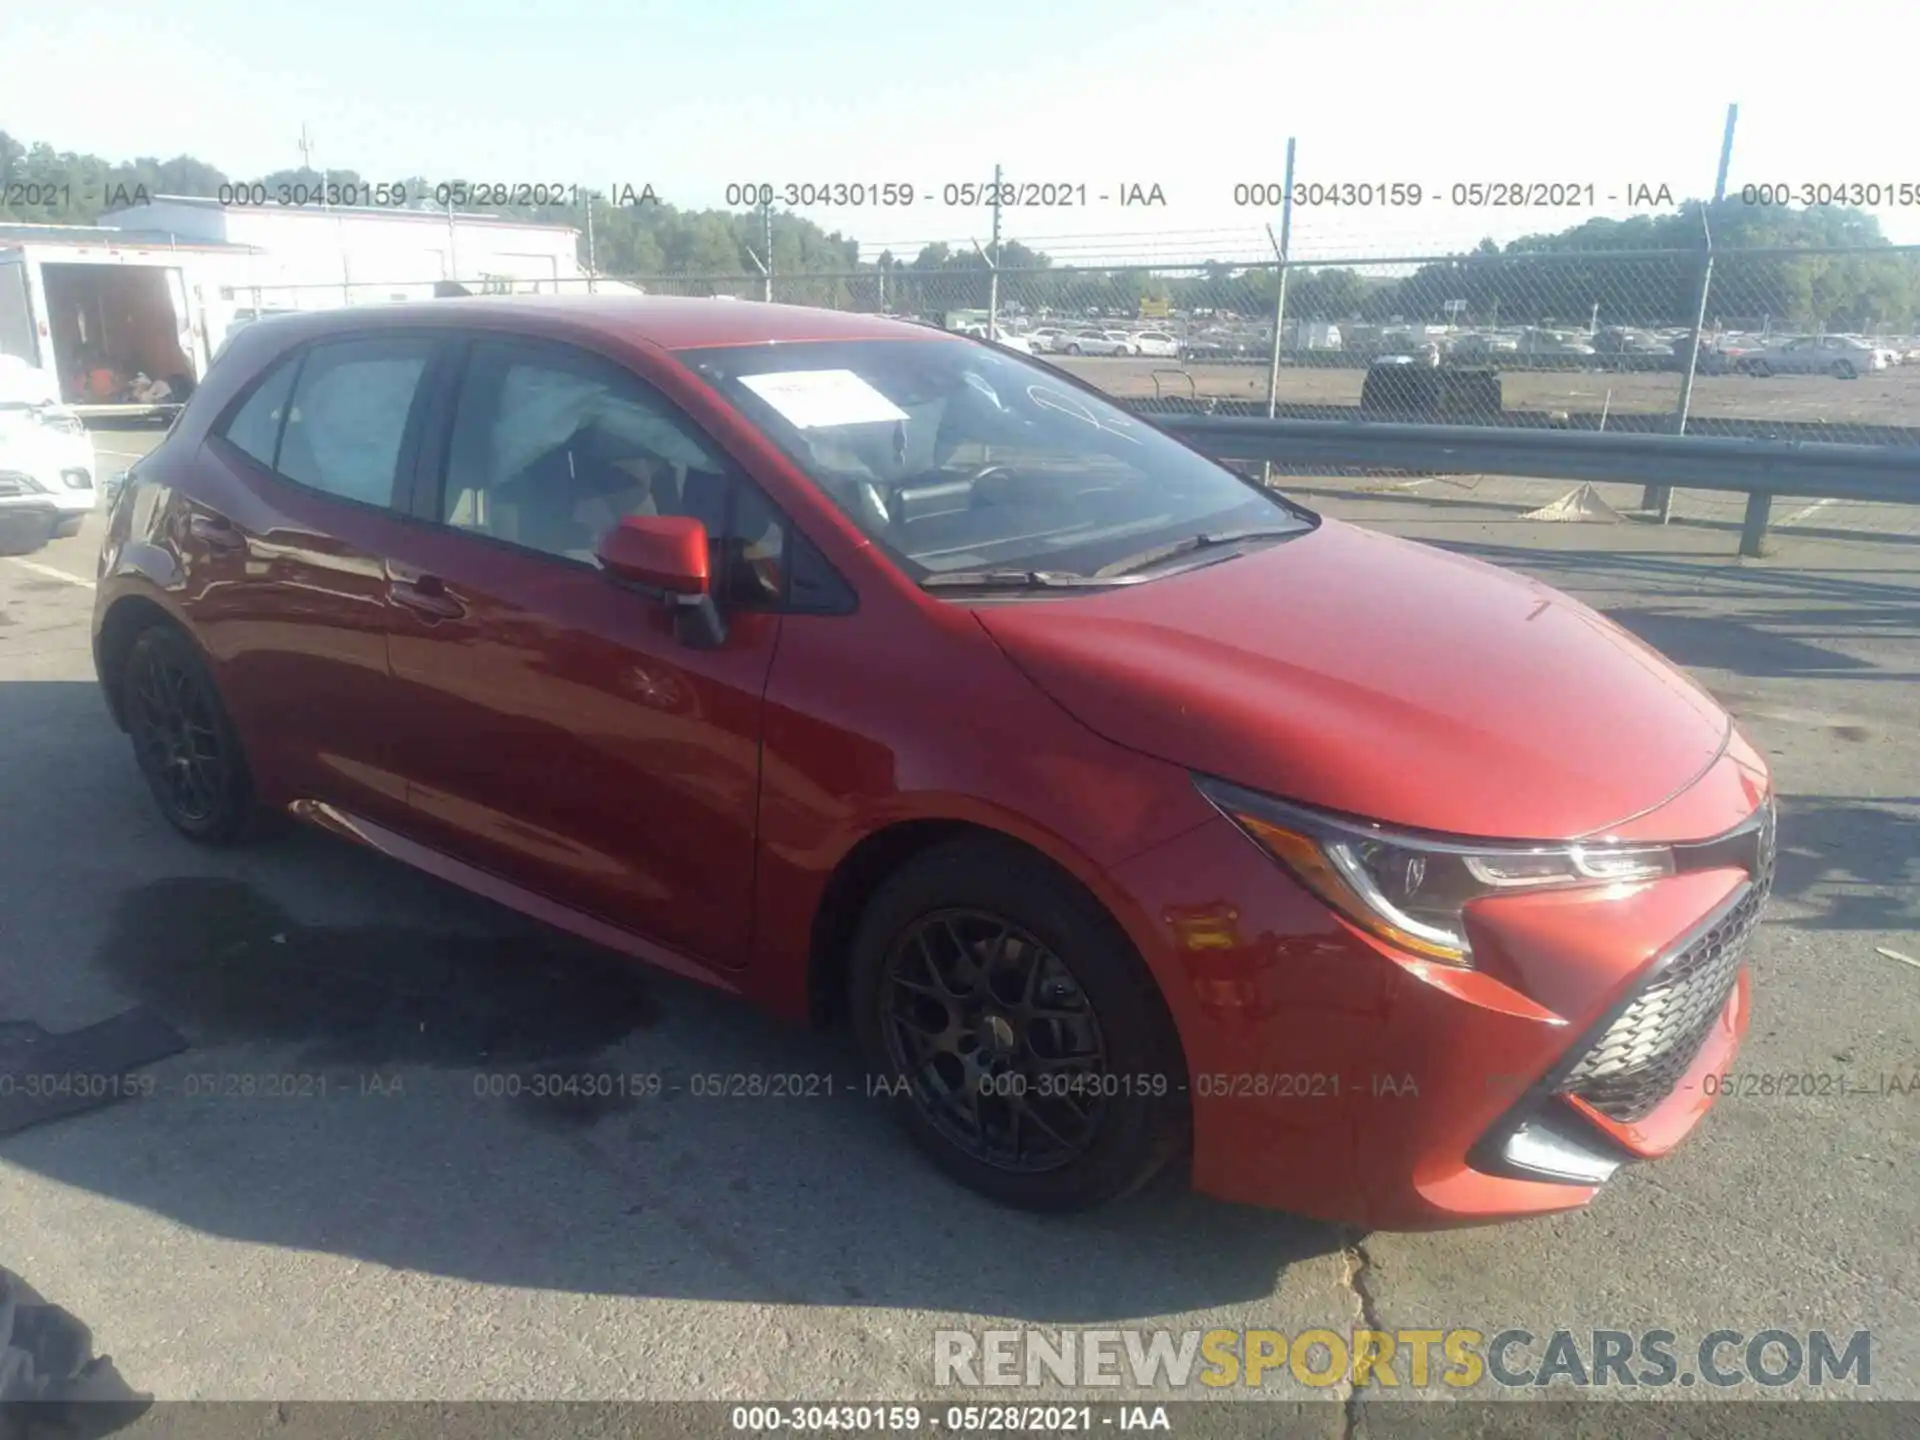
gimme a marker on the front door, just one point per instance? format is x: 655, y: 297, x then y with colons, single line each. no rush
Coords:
x: 561, y: 736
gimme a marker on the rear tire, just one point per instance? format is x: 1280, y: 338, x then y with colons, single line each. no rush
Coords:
x: 1015, y: 1031
x: 184, y: 741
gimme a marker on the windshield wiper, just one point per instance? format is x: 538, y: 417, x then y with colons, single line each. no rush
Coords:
x: 1008, y: 580
x: 1206, y: 540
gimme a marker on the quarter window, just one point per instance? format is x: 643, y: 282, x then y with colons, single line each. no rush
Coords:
x: 255, y: 426
x: 348, y: 419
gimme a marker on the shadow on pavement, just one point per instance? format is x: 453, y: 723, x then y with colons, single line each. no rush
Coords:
x: 459, y: 1092
x: 1854, y: 861
x: 1765, y: 622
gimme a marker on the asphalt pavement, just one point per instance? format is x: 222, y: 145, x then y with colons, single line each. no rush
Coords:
x: 326, y: 1197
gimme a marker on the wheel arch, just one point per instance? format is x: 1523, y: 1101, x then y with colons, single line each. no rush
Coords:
x: 126, y: 618
x: 883, y: 852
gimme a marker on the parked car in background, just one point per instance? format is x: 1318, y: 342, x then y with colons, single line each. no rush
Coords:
x: 1621, y: 340
x: 1045, y: 339
x: 1156, y: 343
x: 1720, y: 355
x: 1222, y: 344
x: 1536, y: 341
x: 47, y: 483
x: 862, y: 670
x: 1000, y: 335
x: 1479, y: 346
x: 1096, y: 342
x: 1841, y: 356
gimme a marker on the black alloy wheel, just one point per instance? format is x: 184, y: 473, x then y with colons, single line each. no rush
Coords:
x: 1015, y: 1031
x: 997, y: 1038
x: 183, y: 740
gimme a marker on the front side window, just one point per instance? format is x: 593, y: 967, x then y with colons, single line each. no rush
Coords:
x: 552, y: 448
x: 958, y: 458
x: 348, y: 416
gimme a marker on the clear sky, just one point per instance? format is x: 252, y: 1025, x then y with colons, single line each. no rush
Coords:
x: 1193, y: 96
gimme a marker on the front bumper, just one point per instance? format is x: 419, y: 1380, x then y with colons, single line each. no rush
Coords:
x: 67, y: 489
x: 1335, y: 1077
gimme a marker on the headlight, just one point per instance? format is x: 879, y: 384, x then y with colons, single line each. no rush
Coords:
x: 59, y: 422
x: 1412, y: 890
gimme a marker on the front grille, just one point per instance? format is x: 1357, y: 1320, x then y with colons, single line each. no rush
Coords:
x: 1641, y: 1057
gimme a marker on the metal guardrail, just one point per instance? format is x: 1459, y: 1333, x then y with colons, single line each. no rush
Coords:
x: 1761, y: 469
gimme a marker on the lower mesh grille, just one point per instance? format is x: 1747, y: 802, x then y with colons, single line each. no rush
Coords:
x: 1641, y: 1057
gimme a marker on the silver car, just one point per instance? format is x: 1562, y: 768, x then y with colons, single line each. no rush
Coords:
x: 1841, y: 356
x: 1095, y: 342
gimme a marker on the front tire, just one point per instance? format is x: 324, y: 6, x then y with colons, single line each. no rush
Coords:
x: 1019, y: 1036
x: 184, y: 741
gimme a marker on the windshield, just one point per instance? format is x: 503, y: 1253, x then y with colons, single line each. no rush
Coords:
x: 956, y: 457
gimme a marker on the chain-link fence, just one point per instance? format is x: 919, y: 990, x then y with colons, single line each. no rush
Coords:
x: 1792, y: 343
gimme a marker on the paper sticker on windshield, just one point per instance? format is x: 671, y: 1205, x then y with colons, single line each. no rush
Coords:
x: 814, y: 399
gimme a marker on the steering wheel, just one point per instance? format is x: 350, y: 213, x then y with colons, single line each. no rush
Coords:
x: 880, y: 500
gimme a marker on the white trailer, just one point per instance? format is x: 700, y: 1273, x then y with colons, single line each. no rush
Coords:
x: 95, y: 308
x: 268, y: 259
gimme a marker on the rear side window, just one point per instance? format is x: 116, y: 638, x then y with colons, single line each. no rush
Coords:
x: 255, y: 426
x: 348, y: 417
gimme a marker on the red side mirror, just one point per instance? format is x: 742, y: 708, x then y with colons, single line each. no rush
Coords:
x: 666, y: 552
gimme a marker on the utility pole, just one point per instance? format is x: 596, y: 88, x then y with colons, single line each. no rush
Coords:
x: 1281, y: 246
x: 1659, y: 498
x: 591, y: 272
x: 306, y: 162
x: 993, y: 263
x: 766, y: 238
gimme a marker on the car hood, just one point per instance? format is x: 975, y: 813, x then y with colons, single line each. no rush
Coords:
x: 1381, y: 678
x: 27, y: 444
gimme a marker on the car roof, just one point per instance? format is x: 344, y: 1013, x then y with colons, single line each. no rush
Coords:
x: 671, y: 321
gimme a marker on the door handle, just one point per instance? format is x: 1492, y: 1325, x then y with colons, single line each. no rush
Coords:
x: 216, y: 530
x: 426, y: 594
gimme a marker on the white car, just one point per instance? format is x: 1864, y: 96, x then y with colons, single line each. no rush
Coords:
x: 1046, y: 339
x: 1837, y: 355
x: 1156, y: 343
x: 1001, y: 336
x: 46, y: 460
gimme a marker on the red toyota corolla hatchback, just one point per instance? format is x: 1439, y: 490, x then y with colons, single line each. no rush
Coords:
x: 1132, y: 812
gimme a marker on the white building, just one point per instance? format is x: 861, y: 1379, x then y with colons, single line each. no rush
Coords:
x: 312, y: 258
x: 154, y: 289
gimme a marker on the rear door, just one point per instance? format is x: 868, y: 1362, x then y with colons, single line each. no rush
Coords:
x: 285, y: 545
